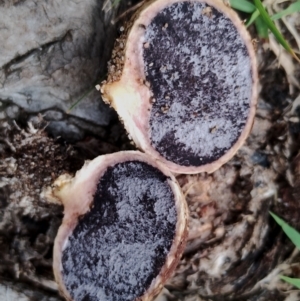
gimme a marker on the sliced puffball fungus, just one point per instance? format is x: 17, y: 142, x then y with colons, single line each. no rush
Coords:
x: 183, y: 79
x: 123, y: 231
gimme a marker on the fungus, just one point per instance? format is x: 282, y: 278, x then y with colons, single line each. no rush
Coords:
x: 183, y: 79
x: 123, y: 231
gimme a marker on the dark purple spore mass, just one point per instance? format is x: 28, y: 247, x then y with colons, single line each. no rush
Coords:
x: 120, y: 246
x: 199, y: 71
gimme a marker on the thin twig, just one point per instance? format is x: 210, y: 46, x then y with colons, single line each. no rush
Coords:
x: 125, y: 13
x: 9, y: 144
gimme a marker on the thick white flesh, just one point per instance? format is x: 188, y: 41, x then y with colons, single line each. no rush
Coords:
x: 131, y: 95
x: 77, y: 195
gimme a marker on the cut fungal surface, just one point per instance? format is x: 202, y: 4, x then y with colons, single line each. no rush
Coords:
x: 183, y: 79
x: 120, y: 246
x: 199, y: 72
x: 123, y: 232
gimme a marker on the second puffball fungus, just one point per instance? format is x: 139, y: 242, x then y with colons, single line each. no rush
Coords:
x: 183, y: 79
x: 123, y: 232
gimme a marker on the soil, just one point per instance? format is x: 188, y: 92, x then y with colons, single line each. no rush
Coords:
x: 235, y: 250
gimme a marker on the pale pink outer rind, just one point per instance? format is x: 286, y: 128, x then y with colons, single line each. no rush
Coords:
x: 131, y: 97
x: 77, y: 193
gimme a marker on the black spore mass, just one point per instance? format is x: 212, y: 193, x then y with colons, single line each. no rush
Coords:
x: 200, y: 74
x: 121, y: 244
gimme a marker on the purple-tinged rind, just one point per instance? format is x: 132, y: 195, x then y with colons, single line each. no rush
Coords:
x: 77, y: 196
x: 132, y: 95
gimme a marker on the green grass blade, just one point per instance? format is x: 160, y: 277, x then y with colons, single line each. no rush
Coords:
x: 273, y: 28
x: 116, y: 3
x: 262, y: 28
x: 292, y: 234
x: 242, y: 5
x: 293, y: 8
x: 253, y: 17
x: 292, y: 281
x: 80, y: 99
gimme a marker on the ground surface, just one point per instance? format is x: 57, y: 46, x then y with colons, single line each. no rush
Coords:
x: 235, y: 250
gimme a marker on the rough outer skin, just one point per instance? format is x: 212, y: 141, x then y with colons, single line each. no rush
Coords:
x: 126, y: 84
x: 77, y: 194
